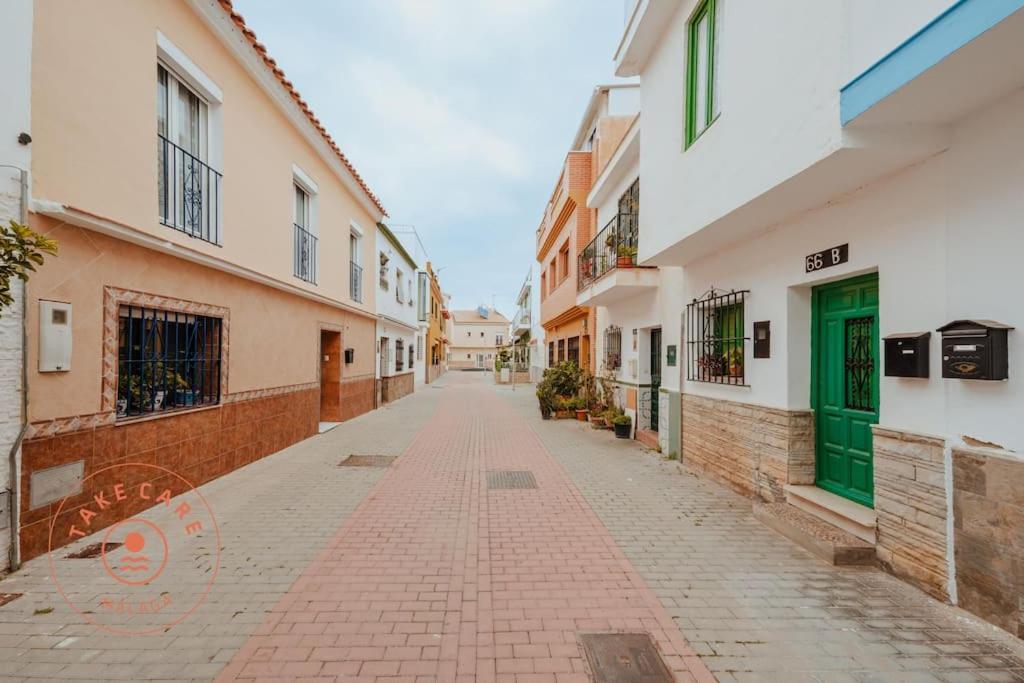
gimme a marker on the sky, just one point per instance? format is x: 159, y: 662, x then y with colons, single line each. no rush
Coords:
x: 458, y: 113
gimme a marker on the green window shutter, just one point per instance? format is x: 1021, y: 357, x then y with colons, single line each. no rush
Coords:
x: 700, y: 70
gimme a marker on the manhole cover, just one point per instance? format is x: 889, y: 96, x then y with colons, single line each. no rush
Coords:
x: 510, y: 479
x: 8, y: 597
x: 624, y: 658
x: 368, y: 461
x: 91, y: 551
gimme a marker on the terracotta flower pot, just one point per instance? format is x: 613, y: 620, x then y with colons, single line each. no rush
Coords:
x: 625, y: 262
x: 581, y: 414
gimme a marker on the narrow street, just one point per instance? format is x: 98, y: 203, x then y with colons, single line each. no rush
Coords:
x: 420, y: 570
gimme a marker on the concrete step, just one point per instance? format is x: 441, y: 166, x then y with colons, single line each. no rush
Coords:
x: 648, y: 438
x: 830, y: 543
x: 851, y: 517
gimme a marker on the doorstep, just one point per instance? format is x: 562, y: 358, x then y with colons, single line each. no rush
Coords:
x: 851, y: 517
x: 649, y: 438
x: 828, y: 542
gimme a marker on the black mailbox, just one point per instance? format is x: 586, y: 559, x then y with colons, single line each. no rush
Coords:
x: 350, y: 355
x: 974, y: 349
x: 906, y: 354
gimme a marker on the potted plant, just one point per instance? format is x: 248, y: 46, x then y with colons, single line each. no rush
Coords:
x: 711, y: 365
x: 735, y: 360
x: 627, y: 256
x: 545, y: 399
x: 622, y: 424
x: 580, y: 406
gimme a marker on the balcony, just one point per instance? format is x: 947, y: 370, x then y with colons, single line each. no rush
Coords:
x: 607, y: 270
x: 355, y: 281
x: 188, y: 192
x: 521, y: 322
x: 305, y: 254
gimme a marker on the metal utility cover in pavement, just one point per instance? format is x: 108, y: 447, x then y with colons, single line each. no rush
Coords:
x: 510, y: 479
x: 368, y: 461
x: 624, y: 658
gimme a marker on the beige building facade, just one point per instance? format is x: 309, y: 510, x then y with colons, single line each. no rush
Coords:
x: 477, y: 335
x: 208, y: 305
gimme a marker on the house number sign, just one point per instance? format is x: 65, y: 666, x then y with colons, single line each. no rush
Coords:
x: 827, y: 258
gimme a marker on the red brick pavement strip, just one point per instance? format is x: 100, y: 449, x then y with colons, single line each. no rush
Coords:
x: 435, y: 577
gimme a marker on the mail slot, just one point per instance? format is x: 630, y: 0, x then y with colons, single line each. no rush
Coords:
x: 906, y: 354
x: 975, y: 349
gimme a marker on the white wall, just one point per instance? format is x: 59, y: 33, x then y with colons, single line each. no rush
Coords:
x: 389, y: 309
x: 873, y: 28
x: 15, y: 118
x: 779, y: 80
x: 945, y: 237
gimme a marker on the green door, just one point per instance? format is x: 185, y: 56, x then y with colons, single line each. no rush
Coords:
x: 655, y: 375
x: 844, y: 385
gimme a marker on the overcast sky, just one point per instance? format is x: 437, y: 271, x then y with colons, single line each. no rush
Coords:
x: 457, y: 112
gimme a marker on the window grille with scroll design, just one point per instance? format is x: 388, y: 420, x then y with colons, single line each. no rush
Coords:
x: 715, y: 343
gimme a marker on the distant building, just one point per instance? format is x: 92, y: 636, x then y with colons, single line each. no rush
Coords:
x: 525, y: 330
x: 397, y: 323
x: 477, y: 336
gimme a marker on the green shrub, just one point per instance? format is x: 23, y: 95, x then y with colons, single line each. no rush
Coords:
x: 622, y: 420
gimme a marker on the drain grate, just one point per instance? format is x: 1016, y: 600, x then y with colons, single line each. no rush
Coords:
x: 368, y: 461
x: 8, y: 597
x: 624, y: 658
x: 93, y: 550
x: 510, y: 479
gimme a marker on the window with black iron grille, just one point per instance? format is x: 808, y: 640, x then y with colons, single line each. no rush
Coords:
x: 551, y: 353
x: 412, y: 355
x: 613, y: 347
x: 399, y: 354
x: 573, y: 350
x: 715, y: 345
x: 561, y: 349
x: 166, y: 361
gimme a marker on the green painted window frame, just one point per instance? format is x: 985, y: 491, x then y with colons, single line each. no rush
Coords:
x: 706, y: 9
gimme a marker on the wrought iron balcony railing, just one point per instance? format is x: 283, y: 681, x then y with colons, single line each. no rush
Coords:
x: 188, y: 191
x: 355, y: 281
x: 305, y: 254
x: 614, y: 247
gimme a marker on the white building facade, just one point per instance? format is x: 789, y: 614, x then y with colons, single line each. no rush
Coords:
x: 525, y: 331
x: 398, y: 324
x: 636, y: 350
x: 15, y: 161
x: 847, y: 218
x: 413, y: 245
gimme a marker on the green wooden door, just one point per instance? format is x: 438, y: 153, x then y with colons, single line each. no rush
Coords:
x: 655, y: 375
x: 844, y: 385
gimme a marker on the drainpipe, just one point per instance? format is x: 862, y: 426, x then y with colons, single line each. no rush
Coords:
x: 15, y: 475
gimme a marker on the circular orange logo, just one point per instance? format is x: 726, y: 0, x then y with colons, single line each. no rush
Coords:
x: 158, y: 556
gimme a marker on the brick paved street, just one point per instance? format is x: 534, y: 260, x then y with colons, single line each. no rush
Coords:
x: 420, y: 571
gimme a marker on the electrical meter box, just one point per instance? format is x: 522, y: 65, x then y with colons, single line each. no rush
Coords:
x: 54, y: 336
x: 975, y: 349
x: 906, y: 354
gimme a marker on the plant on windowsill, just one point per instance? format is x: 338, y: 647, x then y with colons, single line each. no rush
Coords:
x: 735, y: 360
x: 152, y: 389
x: 622, y: 424
x: 710, y: 365
x: 627, y: 256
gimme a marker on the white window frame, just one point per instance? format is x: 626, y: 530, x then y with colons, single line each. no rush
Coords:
x: 303, y: 181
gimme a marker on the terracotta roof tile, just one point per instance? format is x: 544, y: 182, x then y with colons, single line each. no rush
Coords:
x: 276, y: 70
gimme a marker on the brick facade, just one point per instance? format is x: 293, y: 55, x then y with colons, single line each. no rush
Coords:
x: 988, y: 509
x: 910, y: 501
x: 396, y: 386
x: 357, y: 396
x: 199, y: 445
x: 753, y: 449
